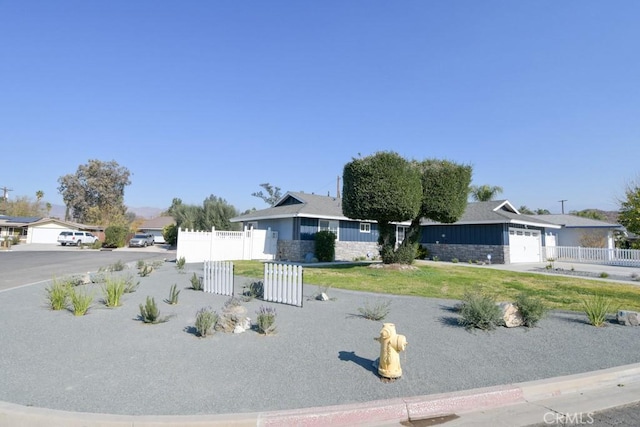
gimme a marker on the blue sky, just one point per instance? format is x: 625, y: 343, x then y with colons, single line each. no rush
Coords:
x: 197, y: 98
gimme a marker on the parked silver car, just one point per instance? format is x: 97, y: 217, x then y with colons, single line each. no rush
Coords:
x: 141, y: 240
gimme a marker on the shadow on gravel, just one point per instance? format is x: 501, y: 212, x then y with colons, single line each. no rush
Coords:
x: 351, y: 356
x: 450, y: 321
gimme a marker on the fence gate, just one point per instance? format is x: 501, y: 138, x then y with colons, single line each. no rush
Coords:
x: 283, y: 283
x: 218, y: 277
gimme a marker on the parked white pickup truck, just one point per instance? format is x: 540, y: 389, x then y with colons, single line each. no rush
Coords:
x: 76, y: 238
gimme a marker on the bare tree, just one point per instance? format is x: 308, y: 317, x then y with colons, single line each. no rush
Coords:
x: 272, y: 196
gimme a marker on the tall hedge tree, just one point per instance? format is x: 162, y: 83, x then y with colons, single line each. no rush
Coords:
x: 629, y: 214
x: 387, y: 188
x: 95, y: 193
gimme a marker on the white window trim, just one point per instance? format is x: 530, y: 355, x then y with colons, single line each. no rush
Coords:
x: 331, y: 222
x: 365, y: 227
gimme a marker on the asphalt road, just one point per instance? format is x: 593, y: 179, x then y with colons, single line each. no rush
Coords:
x: 23, y: 267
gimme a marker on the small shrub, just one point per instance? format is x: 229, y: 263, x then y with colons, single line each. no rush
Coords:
x: 149, y: 312
x: 253, y: 290
x: 140, y: 264
x: 115, y: 236
x: 325, y: 245
x: 173, y: 295
x: 117, y: 266
x: 455, y: 260
x: 206, y: 320
x: 80, y: 301
x: 532, y: 309
x: 422, y: 252
x: 435, y: 258
x: 232, y: 302
x: 604, y: 274
x: 58, y: 294
x: 597, y: 308
x: 196, y: 282
x: 180, y: 263
x: 480, y: 311
x: 130, y: 286
x: 145, y: 270
x: 96, y: 245
x: 266, y: 321
x: 113, y: 290
x: 376, y: 311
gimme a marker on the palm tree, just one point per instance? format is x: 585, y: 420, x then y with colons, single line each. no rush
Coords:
x: 484, y: 193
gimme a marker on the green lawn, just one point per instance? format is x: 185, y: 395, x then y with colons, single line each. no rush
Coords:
x: 451, y: 281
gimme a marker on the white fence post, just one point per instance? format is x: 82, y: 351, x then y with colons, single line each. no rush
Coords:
x: 218, y: 277
x: 283, y: 283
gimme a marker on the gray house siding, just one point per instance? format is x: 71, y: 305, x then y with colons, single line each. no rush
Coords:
x: 488, y: 234
x: 350, y: 232
x: 282, y: 226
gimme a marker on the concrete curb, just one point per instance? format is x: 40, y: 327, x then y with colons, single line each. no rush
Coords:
x: 368, y: 413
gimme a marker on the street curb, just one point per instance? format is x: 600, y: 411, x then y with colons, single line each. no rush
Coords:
x: 368, y: 413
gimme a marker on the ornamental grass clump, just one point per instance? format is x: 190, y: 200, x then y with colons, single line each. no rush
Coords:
x: 531, y: 308
x: 597, y: 307
x: 58, y: 294
x: 113, y: 290
x: 80, y: 301
x: 266, y: 320
x: 376, y: 311
x: 180, y: 263
x: 149, y: 312
x: 173, y: 295
x: 206, y: 320
x: 480, y: 311
x: 196, y: 282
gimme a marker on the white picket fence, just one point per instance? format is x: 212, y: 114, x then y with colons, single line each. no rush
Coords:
x: 614, y: 256
x: 283, y: 283
x: 199, y: 246
x: 218, y: 277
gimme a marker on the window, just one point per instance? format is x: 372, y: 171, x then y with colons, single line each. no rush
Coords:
x: 325, y: 224
x: 365, y: 227
x: 401, y: 232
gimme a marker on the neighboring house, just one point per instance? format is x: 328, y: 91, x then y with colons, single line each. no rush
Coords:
x: 41, y: 230
x: 155, y: 226
x: 580, y: 231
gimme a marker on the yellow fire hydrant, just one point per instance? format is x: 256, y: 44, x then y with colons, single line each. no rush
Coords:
x: 391, y: 344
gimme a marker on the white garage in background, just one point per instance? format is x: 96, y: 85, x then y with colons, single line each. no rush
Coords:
x: 47, y: 230
x: 525, y: 245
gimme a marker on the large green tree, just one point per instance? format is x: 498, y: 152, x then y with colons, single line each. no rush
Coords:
x: 629, y: 213
x: 387, y: 188
x: 214, y: 212
x: 95, y: 193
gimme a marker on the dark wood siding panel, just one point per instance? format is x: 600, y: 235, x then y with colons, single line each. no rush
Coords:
x: 481, y: 234
x: 350, y: 232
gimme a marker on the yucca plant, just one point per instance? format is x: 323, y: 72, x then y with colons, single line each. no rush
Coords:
x: 597, y: 308
x: 266, y: 320
x: 58, y: 294
x: 149, y: 312
x: 173, y: 295
x: 180, y: 263
x: 196, y: 283
x: 80, y: 301
x: 206, y: 320
x: 113, y: 290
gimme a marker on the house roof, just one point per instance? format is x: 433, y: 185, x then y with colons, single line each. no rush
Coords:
x: 298, y: 204
x: 496, y: 212
x: 18, y: 220
x: 157, y: 223
x: 575, y: 221
x: 68, y: 224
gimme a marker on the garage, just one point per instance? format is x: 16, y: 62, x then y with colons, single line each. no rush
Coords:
x: 524, y: 245
x: 46, y: 231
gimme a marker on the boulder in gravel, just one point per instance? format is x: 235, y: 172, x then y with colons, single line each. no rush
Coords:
x: 628, y: 318
x: 511, y: 315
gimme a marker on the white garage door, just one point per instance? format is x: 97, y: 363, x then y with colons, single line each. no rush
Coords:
x: 44, y: 234
x: 524, y: 245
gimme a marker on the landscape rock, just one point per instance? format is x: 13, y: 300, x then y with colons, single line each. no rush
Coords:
x: 628, y: 318
x: 86, y: 279
x: 511, y: 315
x: 322, y: 297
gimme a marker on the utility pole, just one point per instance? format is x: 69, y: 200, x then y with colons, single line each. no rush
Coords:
x: 338, y: 188
x: 5, y: 197
x: 562, y: 201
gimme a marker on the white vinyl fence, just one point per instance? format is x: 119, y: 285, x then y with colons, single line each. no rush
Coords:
x: 283, y: 283
x: 218, y: 277
x: 623, y: 257
x: 199, y: 246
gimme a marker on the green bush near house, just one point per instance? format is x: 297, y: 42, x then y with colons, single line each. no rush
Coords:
x: 325, y: 246
x: 115, y: 236
x: 531, y: 308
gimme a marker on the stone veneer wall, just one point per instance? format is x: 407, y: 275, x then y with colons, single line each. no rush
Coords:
x: 464, y: 253
x: 295, y: 250
x: 348, y: 251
